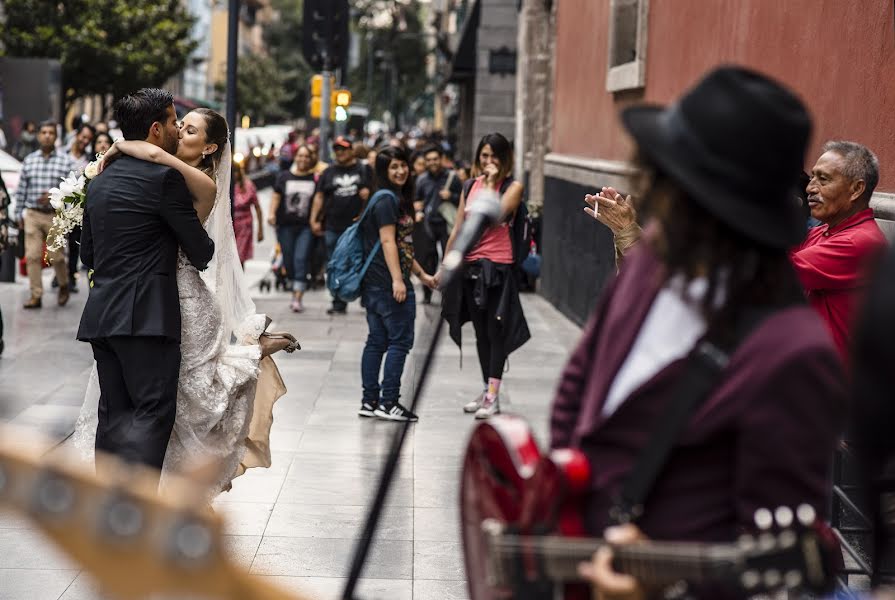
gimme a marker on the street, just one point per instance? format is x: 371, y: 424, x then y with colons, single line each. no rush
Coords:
x: 296, y: 523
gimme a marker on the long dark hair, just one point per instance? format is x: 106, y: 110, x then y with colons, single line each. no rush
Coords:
x: 741, y: 272
x: 216, y: 132
x: 384, y: 157
x: 503, y: 151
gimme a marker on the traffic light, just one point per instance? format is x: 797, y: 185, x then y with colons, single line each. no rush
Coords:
x: 317, y: 109
x: 317, y: 85
x: 342, y: 98
x: 325, y: 32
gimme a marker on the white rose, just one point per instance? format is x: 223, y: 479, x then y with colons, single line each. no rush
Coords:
x: 92, y: 170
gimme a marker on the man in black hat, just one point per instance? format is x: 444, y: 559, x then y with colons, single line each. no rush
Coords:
x: 710, y: 278
x: 342, y: 190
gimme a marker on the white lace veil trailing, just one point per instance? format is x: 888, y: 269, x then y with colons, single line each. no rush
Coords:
x: 224, y: 275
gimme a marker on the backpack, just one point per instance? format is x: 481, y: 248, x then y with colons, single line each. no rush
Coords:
x: 347, y: 265
x: 520, y: 223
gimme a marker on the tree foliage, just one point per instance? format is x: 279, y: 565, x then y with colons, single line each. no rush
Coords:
x: 393, y: 32
x: 105, y: 46
x: 283, y: 38
x: 259, y: 88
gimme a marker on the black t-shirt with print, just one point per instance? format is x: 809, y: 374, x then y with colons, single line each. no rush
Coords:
x: 386, y: 212
x: 296, y: 194
x: 341, y: 188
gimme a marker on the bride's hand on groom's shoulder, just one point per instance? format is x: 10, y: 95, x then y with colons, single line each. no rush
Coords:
x: 110, y: 155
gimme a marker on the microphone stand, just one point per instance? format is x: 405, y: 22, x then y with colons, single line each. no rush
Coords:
x: 489, y: 210
x: 388, y: 473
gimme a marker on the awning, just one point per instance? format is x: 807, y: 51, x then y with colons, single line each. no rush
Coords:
x: 464, y: 64
x: 188, y: 104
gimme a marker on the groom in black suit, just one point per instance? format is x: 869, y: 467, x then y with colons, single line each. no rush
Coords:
x: 136, y: 216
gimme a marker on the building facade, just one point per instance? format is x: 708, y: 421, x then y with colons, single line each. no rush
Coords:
x: 838, y: 56
x: 483, y: 69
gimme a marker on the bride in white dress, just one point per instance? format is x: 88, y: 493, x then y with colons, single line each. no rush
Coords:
x: 228, y: 382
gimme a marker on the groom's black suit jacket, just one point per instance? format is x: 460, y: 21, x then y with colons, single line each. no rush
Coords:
x: 136, y: 216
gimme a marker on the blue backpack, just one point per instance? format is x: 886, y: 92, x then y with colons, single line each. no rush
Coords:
x: 347, y: 266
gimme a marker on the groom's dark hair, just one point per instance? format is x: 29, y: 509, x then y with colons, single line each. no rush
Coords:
x: 137, y: 112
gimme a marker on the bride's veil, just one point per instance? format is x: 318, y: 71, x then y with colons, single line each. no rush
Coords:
x: 224, y: 275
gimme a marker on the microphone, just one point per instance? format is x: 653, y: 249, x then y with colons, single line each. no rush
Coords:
x: 483, y: 213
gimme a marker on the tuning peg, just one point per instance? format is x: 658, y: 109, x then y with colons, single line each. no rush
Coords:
x: 53, y: 496
x: 191, y: 541
x: 772, y: 578
x: 806, y: 515
x: 783, y: 515
x: 792, y: 579
x: 763, y: 519
x: 122, y: 518
x: 750, y: 579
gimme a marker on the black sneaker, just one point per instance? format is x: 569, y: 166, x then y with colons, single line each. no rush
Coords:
x: 367, y: 409
x: 394, y: 412
x: 336, y: 311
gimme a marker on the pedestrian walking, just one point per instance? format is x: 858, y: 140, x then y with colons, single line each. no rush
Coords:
x: 437, y: 196
x: 41, y: 170
x: 342, y: 190
x: 245, y: 200
x: 27, y: 142
x: 290, y: 209
x: 5, y: 223
x: 487, y: 293
x: 387, y: 292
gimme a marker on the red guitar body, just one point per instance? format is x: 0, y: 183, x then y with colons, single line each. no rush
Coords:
x: 506, y: 478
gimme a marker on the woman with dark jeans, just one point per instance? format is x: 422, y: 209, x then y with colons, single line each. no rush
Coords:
x: 290, y: 208
x: 387, y: 292
x: 489, y: 296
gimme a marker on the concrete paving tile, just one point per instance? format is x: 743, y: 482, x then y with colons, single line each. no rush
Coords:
x: 242, y: 548
x: 254, y: 487
x: 334, y: 521
x: 330, y: 588
x: 285, y: 440
x: 344, y: 491
x: 29, y: 549
x: 436, y: 493
x: 244, y: 518
x: 316, y: 557
x: 84, y: 588
x: 438, y: 560
x: 34, y: 584
x: 433, y: 589
x: 436, y: 524
x: 363, y: 466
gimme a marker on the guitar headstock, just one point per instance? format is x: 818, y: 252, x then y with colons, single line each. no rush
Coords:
x: 793, y: 549
x: 135, y: 542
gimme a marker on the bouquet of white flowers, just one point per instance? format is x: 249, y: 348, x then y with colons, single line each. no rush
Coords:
x: 68, y: 200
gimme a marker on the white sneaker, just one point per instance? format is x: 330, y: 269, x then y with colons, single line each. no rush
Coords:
x: 488, y: 409
x: 473, y: 405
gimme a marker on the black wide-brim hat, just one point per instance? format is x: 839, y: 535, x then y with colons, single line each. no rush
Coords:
x: 736, y: 144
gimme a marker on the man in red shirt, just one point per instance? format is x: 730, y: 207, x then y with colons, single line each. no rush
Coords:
x: 831, y: 262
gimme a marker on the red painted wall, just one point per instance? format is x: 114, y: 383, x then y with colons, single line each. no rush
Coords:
x: 839, y: 56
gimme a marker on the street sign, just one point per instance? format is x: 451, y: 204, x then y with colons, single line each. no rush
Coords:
x: 325, y: 36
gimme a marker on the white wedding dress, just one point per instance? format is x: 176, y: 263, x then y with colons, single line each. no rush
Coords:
x: 226, y: 392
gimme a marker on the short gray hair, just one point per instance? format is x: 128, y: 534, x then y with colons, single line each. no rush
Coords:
x: 860, y: 163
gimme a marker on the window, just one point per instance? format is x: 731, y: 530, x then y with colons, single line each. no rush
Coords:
x: 627, y: 45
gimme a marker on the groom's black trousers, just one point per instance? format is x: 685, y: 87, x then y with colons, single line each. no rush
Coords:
x: 138, y: 396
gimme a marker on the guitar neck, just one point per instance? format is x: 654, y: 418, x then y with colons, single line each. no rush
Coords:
x: 653, y: 563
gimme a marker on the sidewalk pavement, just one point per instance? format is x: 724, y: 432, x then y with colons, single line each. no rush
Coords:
x: 297, y: 523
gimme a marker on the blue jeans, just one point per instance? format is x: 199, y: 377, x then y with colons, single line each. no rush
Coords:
x: 295, y: 243
x: 331, y: 238
x: 391, y: 335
